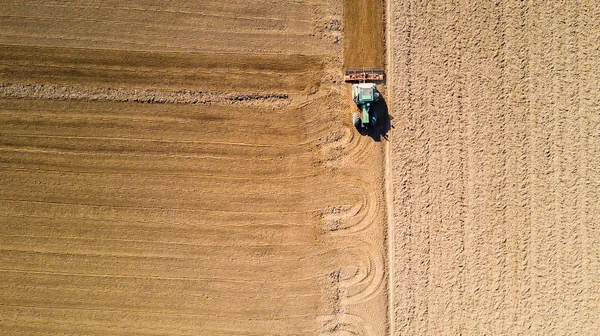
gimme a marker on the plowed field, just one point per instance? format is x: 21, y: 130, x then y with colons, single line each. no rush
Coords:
x: 364, y: 33
x: 223, y: 72
x: 496, y: 157
x: 184, y: 168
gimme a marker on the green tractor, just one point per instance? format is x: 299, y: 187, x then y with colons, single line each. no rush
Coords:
x: 364, y: 95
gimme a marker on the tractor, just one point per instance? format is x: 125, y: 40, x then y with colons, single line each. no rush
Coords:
x: 364, y: 95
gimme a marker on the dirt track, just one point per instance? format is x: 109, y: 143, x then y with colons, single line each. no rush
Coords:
x: 495, y: 157
x: 144, y: 193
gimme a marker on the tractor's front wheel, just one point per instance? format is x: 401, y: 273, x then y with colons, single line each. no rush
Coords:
x: 376, y: 96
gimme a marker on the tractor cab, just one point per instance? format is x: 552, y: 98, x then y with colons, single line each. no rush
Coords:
x: 364, y: 94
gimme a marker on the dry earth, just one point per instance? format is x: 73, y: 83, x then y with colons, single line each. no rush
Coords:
x: 172, y: 167
x: 161, y: 70
x: 496, y: 156
x: 364, y: 33
x: 187, y: 168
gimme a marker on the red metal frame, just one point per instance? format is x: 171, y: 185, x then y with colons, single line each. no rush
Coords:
x: 364, y: 74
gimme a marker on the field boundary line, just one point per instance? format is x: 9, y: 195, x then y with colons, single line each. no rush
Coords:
x: 388, y: 171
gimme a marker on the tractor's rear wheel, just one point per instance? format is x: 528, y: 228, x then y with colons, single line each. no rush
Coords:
x: 356, y: 120
x: 373, y: 121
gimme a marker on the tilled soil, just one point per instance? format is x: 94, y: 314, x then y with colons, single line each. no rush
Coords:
x: 83, y: 93
x: 495, y: 159
x: 159, y: 218
x: 234, y: 26
x: 184, y: 168
x: 208, y: 71
x: 364, y: 33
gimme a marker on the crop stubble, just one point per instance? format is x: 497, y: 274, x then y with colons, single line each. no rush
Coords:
x: 235, y: 215
x: 495, y: 159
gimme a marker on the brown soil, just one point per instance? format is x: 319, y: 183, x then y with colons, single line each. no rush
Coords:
x: 364, y: 33
x: 82, y: 93
x: 167, y: 169
x: 161, y: 70
x: 233, y: 26
x: 495, y: 159
x: 129, y: 218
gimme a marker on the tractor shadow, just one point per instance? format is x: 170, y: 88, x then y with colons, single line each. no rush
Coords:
x: 384, y: 124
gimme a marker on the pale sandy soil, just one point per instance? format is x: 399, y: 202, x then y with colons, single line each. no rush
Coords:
x: 180, y: 167
x: 495, y: 159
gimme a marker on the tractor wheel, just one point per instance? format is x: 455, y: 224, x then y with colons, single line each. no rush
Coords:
x: 356, y: 120
x: 373, y: 120
x: 376, y: 96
